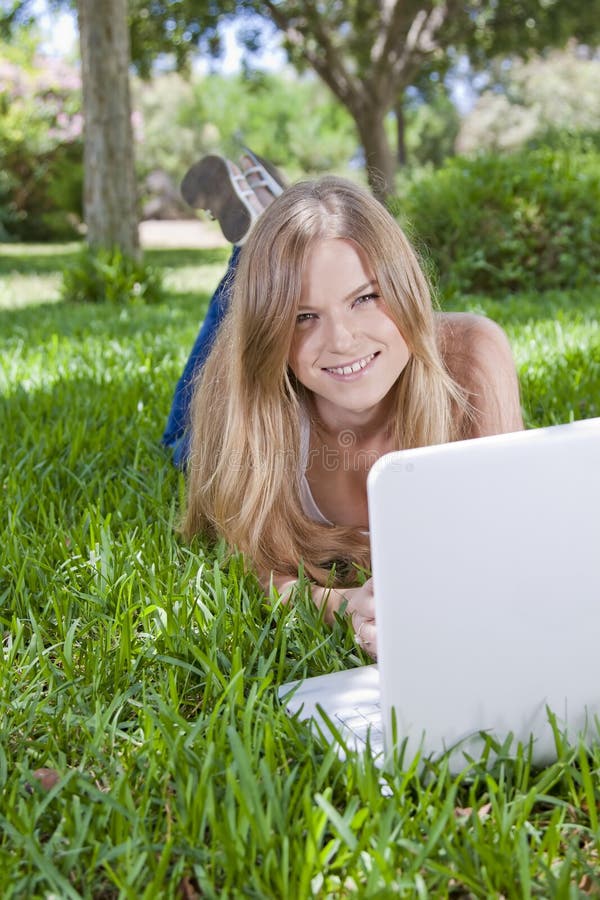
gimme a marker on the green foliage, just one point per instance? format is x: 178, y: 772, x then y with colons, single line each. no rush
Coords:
x: 183, y: 120
x: 568, y: 140
x: 8, y: 216
x: 144, y: 672
x: 175, y: 28
x: 489, y: 29
x: 42, y: 200
x: 16, y: 21
x: 492, y: 224
x: 368, y: 60
x: 555, y: 337
x: 107, y: 276
x: 40, y: 147
x: 531, y: 101
x: 431, y: 129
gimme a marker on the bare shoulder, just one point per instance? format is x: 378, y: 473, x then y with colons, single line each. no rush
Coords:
x: 466, y: 337
x: 477, y: 354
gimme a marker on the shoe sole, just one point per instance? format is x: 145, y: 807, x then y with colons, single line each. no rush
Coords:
x: 207, y: 185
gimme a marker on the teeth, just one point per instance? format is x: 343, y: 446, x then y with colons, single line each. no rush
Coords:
x: 355, y: 367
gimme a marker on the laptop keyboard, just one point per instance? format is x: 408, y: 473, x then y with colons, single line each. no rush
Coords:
x: 361, y: 721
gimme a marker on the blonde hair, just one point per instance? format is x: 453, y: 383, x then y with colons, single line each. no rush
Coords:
x: 244, y: 466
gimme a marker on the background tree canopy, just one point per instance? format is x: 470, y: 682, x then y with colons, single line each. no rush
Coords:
x: 386, y: 64
x: 369, y: 53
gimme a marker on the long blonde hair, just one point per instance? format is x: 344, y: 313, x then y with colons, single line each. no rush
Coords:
x: 244, y: 467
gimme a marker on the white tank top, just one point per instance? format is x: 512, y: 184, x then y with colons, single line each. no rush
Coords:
x: 306, y: 498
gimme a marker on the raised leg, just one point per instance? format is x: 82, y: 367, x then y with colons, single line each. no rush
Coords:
x: 175, y: 431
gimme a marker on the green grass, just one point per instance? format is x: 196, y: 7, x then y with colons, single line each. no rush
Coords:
x: 144, y: 671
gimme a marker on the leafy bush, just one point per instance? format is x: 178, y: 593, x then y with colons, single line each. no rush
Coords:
x: 40, y: 147
x: 7, y: 212
x: 106, y: 276
x: 569, y: 139
x: 492, y: 224
x: 43, y: 200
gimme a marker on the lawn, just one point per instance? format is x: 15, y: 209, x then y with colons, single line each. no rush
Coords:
x: 142, y: 672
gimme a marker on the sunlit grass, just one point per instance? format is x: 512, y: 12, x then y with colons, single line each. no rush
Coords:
x: 143, y: 671
x: 556, y: 344
x: 31, y: 274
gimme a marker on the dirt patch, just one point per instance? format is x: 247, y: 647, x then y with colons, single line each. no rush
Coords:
x: 180, y: 233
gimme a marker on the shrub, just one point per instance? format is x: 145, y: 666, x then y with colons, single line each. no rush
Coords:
x: 492, y: 224
x: 40, y: 147
x: 44, y: 195
x: 7, y: 212
x: 106, y: 276
x: 571, y: 140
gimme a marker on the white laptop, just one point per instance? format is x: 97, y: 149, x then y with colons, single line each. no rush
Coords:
x: 486, y: 569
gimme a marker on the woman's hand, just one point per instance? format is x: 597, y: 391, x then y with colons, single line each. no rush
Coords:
x: 361, y: 609
x: 360, y: 606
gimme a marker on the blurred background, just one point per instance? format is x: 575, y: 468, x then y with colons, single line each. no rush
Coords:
x: 484, y: 117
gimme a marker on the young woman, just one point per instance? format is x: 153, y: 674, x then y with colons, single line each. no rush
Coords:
x: 330, y: 355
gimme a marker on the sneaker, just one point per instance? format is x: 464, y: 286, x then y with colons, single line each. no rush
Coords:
x: 218, y: 186
x: 270, y: 176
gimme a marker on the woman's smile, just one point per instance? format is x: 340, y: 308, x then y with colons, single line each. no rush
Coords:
x: 348, y: 371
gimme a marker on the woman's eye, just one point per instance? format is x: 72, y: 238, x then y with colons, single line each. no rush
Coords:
x: 304, y: 317
x: 365, y: 298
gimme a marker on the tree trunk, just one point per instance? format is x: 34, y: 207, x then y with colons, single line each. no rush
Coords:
x: 400, y: 130
x: 110, y: 202
x: 379, y: 159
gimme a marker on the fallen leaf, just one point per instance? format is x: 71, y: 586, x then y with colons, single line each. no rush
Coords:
x: 47, y: 778
x: 589, y: 886
x: 463, y: 812
x: 188, y: 888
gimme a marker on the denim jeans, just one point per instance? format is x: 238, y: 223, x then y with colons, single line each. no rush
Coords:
x: 176, y: 433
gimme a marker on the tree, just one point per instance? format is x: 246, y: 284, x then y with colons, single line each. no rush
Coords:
x: 177, y: 28
x: 13, y: 15
x: 369, y: 52
x: 114, y: 35
x: 366, y: 53
x: 107, y: 32
x: 110, y: 204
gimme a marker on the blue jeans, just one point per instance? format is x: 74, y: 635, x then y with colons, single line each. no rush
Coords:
x: 176, y: 433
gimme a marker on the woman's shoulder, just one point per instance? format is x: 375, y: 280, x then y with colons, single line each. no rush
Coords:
x: 472, y: 345
x: 469, y: 335
x: 478, y: 356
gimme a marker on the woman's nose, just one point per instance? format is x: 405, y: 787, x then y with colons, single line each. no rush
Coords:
x: 340, y: 333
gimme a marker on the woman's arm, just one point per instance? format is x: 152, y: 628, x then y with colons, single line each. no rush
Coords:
x: 360, y: 606
x: 478, y: 356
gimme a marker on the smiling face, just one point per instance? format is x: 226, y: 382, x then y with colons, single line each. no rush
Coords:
x: 345, y: 350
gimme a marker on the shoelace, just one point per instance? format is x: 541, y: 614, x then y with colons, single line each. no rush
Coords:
x: 257, y: 170
x: 239, y: 184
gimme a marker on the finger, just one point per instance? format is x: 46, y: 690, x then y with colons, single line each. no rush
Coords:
x: 364, y: 605
x: 367, y: 641
x: 360, y: 619
x: 364, y: 629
